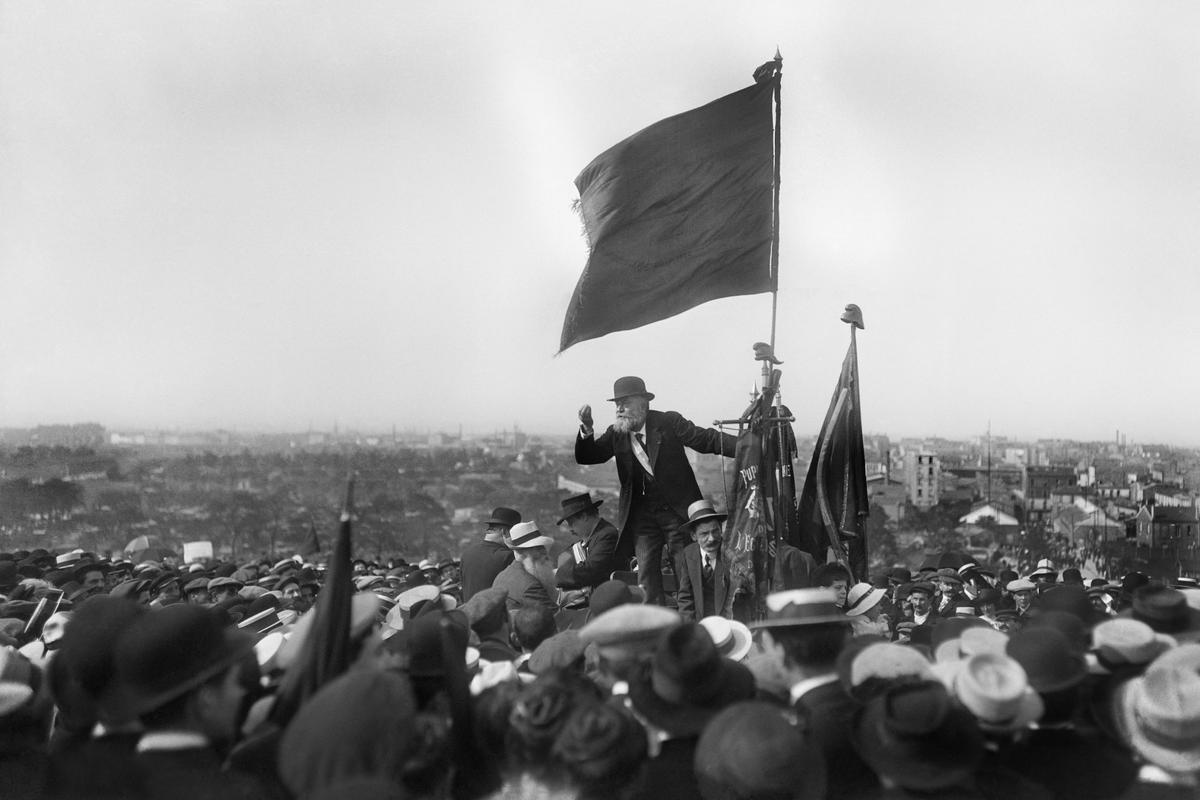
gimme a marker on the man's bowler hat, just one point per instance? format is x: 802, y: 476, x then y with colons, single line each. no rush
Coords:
x: 503, y: 516
x: 577, y: 504
x: 629, y: 386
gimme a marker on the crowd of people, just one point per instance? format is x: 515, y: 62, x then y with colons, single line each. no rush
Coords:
x: 507, y: 675
x: 629, y: 665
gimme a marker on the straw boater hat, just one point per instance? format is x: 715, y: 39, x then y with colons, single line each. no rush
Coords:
x: 700, y: 511
x: 1158, y: 714
x: 802, y: 607
x: 731, y: 637
x: 525, y: 535
x: 1121, y: 644
x: 994, y: 688
x: 861, y: 598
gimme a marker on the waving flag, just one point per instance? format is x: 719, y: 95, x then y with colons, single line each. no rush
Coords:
x: 678, y: 214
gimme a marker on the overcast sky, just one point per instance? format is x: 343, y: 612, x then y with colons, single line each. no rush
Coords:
x: 271, y: 215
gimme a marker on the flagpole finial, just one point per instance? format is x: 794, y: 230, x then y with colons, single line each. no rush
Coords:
x: 853, y: 316
x: 778, y: 55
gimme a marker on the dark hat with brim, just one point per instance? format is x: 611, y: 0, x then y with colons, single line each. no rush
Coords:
x: 918, y: 737
x: 503, y: 516
x: 577, y: 504
x: 629, y: 386
x: 689, y: 682
x: 1166, y: 611
x: 169, y: 652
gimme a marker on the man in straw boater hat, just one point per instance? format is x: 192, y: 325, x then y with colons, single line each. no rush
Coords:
x: 178, y: 670
x: 804, y: 632
x: 657, y: 482
x: 703, y: 573
x: 529, y: 579
x: 593, y: 559
x: 483, y: 560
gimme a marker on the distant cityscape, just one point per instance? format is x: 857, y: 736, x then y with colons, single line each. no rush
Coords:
x: 1103, y: 506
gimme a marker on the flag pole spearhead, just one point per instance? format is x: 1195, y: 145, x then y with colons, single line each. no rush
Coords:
x: 853, y: 316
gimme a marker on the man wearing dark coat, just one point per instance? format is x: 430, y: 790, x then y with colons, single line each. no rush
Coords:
x: 593, y: 559
x: 483, y: 560
x: 529, y: 579
x: 704, y: 578
x: 657, y: 482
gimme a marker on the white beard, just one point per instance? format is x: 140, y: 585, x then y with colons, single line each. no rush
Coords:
x: 629, y: 423
x: 543, y: 570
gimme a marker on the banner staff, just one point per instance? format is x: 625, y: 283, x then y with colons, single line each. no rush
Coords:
x: 778, y: 69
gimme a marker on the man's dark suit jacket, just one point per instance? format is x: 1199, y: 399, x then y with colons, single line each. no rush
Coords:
x: 691, y: 591
x: 793, y: 568
x: 192, y: 774
x: 601, y: 561
x: 828, y: 713
x: 482, y: 561
x: 523, y: 589
x: 666, y: 434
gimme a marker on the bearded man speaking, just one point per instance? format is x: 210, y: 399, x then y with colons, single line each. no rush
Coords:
x: 657, y: 482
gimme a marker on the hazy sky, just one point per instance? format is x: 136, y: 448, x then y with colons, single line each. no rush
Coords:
x: 277, y: 214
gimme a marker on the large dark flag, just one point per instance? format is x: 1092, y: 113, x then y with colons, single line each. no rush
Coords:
x: 678, y: 214
x: 833, y: 506
x: 325, y: 653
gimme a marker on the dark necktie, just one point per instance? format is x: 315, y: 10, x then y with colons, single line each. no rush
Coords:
x: 708, y: 569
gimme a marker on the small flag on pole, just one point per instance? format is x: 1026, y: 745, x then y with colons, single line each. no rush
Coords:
x: 678, y: 214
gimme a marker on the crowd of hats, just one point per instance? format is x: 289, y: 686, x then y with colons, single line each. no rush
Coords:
x: 633, y: 701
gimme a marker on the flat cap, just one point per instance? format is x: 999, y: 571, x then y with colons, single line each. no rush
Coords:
x: 629, y: 629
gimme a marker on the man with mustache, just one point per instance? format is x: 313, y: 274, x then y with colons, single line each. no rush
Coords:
x: 704, y: 574
x: 657, y: 482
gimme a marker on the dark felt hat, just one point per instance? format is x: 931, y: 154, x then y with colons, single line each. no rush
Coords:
x: 610, y: 594
x: 577, y: 504
x: 918, y: 737
x: 168, y: 652
x: 1051, y: 663
x: 689, y: 682
x: 9, y: 577
x: 752, y: 749
x: 503, y: 516
x: 630, y: 386
x: 87, y: 649
x: 423, y: 639
x: 1166, y: 611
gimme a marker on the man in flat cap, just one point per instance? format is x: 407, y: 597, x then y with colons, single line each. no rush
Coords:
x: 657, y: 482
x: 483, y: 560
x: 593, y: 559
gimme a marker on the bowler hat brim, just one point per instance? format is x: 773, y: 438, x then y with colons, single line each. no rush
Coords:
x: 647, y: 395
